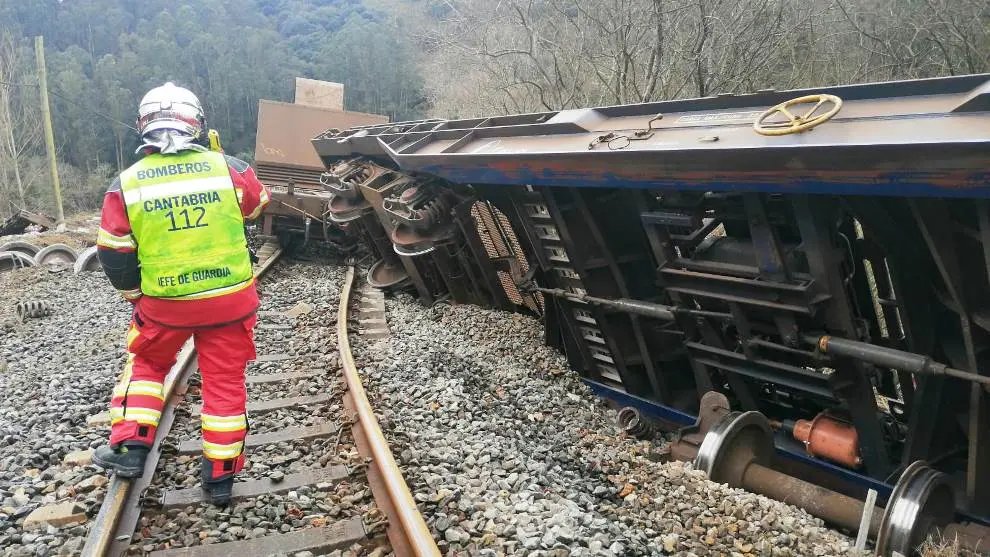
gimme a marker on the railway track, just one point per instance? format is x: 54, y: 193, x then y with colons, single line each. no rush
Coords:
x: 320, y: 499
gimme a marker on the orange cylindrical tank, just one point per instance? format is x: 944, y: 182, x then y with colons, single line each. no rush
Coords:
x: 828, y: 438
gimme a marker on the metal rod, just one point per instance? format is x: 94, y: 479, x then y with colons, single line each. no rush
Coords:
x: 847, y: 512
x: 824, y: 503
x: 778, y: 347
x: 636, y: 307
x: 891, y: 358
x: 971, y: 536
x: 298, y: 210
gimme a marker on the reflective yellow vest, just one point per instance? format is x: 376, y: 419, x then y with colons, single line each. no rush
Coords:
x: 185, y: 216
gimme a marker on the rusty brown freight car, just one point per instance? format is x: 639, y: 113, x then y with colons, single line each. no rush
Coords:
x: 286, y: 162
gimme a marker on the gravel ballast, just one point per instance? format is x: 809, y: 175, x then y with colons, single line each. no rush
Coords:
x: 55, y: 371
x: 58, y: 370
x: 297, y: 318
x: 503, y: 446
x: 508, y: 452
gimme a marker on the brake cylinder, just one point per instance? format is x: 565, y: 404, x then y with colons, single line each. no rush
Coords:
x: 828, y: 438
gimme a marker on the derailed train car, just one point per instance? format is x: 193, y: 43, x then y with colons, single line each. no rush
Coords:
x: 801, y: 279
x: 289, y: 168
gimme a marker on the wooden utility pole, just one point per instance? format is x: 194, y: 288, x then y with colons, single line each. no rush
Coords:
x: 39, y: 51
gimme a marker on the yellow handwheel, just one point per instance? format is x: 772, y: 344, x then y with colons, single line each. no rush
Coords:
x: 795, y: 124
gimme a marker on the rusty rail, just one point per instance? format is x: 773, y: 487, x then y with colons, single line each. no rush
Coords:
x: 407, y: 531
x: 120, y: 511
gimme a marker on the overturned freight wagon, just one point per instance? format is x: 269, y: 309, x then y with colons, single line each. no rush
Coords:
x: 816, y: 261
x: 287, y: 165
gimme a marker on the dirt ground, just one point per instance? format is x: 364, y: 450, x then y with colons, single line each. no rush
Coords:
x: 80, y: 233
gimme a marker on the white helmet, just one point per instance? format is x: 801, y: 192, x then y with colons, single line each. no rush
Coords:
x: 171, y: 108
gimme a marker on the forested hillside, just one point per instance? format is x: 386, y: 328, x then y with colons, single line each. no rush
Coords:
x: 439, y: 58
x: 103, y: 55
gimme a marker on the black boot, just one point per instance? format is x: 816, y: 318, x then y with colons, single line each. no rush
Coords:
x: 218, y: 490
x: 126, y: 459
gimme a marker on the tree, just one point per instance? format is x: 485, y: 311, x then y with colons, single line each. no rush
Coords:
x: 906, y: 39
x: 554, y: 54
x: 444, y: 58
x: 20, y: 128
x: 378, y: 74
x: 533, y: 55
x: 116, y: 103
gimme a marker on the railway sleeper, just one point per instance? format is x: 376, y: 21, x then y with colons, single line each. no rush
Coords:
x: 254, y: 488
x: 261, y: 378
x: 307, y: 433
x: 338, y: 535
x: 261, y: 407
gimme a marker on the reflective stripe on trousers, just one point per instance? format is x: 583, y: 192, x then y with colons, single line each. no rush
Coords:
x: 223, y: 353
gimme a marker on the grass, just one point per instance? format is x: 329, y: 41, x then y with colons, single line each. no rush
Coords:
x: 937, y: 546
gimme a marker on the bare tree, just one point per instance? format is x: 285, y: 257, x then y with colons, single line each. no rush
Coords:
x: 524, y: 55
x: 906, y: 39
x: 484, y: 57
x: 20, y: 129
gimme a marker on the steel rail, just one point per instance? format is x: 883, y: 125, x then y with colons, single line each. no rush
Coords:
x: 119, y: 498
x: 408, y: 535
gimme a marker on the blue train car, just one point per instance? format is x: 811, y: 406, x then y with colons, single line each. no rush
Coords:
x: 820, y: 257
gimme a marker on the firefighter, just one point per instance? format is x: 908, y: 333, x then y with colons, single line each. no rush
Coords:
x: 172, y: 241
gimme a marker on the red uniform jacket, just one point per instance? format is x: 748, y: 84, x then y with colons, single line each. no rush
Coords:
x: 118, y: 248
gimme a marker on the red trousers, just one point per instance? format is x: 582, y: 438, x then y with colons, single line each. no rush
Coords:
x: 223, y: 353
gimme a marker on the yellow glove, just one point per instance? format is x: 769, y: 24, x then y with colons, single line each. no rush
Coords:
x: 214, y: 136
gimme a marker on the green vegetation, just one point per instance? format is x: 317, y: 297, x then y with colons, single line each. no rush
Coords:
x: 103, y: 55
x: 410, y: 59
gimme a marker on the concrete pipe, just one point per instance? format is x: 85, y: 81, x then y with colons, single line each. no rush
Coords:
x: 87, y: 261
x: 23, y: 247
x: 56, y: 255
x: 10, y: 260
